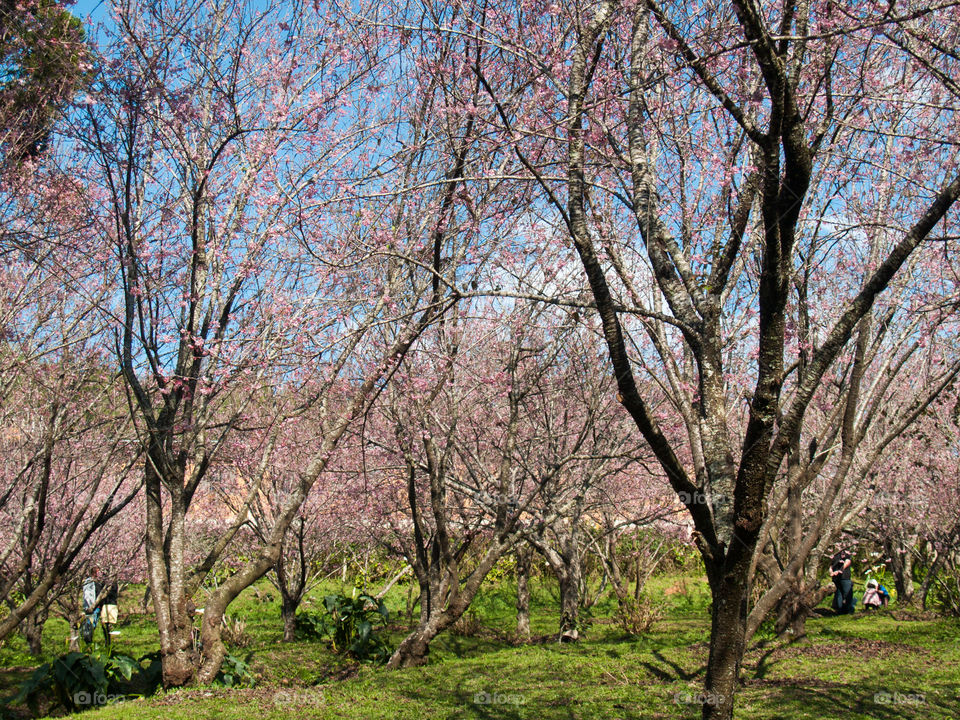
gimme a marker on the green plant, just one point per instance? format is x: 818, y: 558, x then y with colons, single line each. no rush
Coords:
x: 352, y: 626
x: 78, y: 680
x: 504, y: 568
x: 311, y: 626
x: 235, y: 672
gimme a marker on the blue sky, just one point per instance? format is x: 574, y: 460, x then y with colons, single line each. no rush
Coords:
x: 95, y: 10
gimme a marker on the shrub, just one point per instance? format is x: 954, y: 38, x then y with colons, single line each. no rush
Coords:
x: 351, y: 626
x: 234, y: 632
x: 311, y: 626
x: 77, y: 681
x: 637, y: 616
x: 235, y: 672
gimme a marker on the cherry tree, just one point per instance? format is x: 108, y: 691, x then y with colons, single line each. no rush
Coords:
x: 912, y: 516
x: 687, y: 152
x: 211, y: 169
x: 259, y: 247
x: 598, y: 482
x: 323, y: 526
x: 69, y: 450
x: 901, y: 363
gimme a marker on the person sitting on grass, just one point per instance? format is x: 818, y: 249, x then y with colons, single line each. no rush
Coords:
x: 871, y: 596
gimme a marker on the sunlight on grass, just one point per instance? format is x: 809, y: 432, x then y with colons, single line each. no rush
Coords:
x: 857, y: 667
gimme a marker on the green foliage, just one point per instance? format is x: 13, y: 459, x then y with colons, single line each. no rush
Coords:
x: 76, y: 681
x: 945, y: 592
x: 311, y: 626
x: 235, y: 672
x: 351, y: 628
x: 44, y: 61
x: 504, y: 568
x: 372, y: 570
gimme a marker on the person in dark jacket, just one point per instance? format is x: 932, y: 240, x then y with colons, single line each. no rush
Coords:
x: 840, y: 572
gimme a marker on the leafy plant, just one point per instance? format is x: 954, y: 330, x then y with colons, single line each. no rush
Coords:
x: 311, y: 626
x: 235, y: 672
x: 352, y: 623
x: 77, y: 681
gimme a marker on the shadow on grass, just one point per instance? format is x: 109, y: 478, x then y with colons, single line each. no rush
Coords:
x: 850, y: 701
x: 678, y: 672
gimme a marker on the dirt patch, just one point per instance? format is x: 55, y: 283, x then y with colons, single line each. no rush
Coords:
x: 792, y: 682
x: 678, y: 588
x: 912, y: 615
x: 860, y: 647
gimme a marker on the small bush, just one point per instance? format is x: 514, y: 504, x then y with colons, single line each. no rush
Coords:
x: 311, y: 626
x: 76, y: 681
x: 234, y: 632
x: 235, y: 672
x: 636, y: 617
x: 351, y: 626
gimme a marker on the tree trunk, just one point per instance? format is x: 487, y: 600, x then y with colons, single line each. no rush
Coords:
x: 569, y: 606
x: 728, y: 624
x: 414, y: 649
x: 796, y: 606
x: 32, y: 629
x: 166, y: 577
x: 523, y: 593
x: 904, y: 579
x: 288, y: 611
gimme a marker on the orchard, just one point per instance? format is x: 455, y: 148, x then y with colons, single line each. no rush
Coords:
x: 480, y: 348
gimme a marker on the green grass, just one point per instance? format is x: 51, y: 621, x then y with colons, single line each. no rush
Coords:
x: 860, y: 666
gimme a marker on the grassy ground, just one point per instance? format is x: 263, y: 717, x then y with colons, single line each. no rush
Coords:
x: 863, y: 666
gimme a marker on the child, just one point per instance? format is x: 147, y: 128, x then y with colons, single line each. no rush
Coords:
x: 872, y: 598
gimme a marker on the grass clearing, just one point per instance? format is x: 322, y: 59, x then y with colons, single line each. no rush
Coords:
x: 881, y: 665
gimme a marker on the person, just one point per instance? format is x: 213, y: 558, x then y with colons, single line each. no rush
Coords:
x: 840, y: 572
x: 871, y: 596
x: 884, y: 595
x: 109, y: 613
x: 99, y: 604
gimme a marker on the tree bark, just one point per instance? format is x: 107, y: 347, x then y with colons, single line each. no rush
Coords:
x: 569, y: 605
x: 796, y: 606
x: 32, y: 629
x: 728, y: 624
x: 523, y: 593
x: 288, y: 612
x: 414, y: 650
